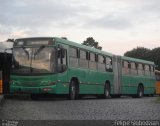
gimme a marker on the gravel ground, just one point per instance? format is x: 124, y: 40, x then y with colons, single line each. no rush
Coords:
x: 126, y: 108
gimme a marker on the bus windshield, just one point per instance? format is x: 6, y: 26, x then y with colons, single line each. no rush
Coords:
x: 27, y: 60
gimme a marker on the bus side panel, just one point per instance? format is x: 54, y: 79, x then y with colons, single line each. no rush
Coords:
x: 149, y: 85
x: 100, y: 80
x: 134, y: 80
x: 82, y: 76
x: 125, y: 84
x: 62, y: 87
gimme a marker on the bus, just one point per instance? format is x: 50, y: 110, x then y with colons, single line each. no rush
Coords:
x: 157, y: 73
x: 51, y: 65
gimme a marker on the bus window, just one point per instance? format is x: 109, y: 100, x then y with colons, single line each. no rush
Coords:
x: 73, y: 58
x: 92, y: 62
x: 152, y: 71
x: 133, y: 68
x: 108, y: 62
x: 101, y: 63
x: 140, y: 69
x: 83, y: 61
x: 147, y: 70
x: 125, y: 68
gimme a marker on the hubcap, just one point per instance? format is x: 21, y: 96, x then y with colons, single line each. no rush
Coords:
x: 107, y: 93
x: 140, y: 93
x: 73, y: 92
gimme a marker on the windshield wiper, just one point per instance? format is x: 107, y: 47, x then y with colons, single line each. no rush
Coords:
x: 26, y: 52
x: 39, y: 50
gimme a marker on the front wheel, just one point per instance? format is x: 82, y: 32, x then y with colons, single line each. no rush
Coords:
x: 107, y: 91
x: 73, y: 91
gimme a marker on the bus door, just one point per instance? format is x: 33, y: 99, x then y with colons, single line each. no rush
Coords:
x: 62, y: 70
x: 117, y: 65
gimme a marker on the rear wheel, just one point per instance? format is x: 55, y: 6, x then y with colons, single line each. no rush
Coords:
x: 140, y: 91
x: 107, y: 91
x: 73, y: 91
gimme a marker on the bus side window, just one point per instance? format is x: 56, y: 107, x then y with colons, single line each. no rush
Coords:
x: 101, y: 63
x: 152, y: 71
x: 140, y: 69
x: 108, y: 62
x: 83, y: 60
x: 73, y: 57
x: 133, y: 68
x: 147, y: 70
x: 92, y: 61
x: 125, y: 68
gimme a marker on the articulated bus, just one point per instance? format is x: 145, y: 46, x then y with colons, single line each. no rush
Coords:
x: 157, y: 73
x: 58, y: 66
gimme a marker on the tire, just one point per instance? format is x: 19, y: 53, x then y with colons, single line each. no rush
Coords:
x: 34, y: 96
x: 107, y: 91
x: 140, y: 92
x: 73, y: 91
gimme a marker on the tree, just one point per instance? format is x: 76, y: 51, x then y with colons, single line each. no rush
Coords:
x: 139, y: 52
x: 91, y: 42
x: 10, y: 40
x: 155, y: 56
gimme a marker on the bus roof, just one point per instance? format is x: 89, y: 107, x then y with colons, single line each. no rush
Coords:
x: 137, y: 60
x: 74, y: 44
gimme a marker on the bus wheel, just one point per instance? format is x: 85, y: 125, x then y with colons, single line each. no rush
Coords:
x: 72, y: 91
x: 140, y: 92
x: 34, y: 96
x: 107, y: 91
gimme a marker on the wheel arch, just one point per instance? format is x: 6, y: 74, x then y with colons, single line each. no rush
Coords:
x: 141, y: 84
x: 76, y: 80
x: 107, y: 82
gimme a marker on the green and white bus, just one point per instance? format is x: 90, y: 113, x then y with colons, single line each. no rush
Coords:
x: 46, y: 65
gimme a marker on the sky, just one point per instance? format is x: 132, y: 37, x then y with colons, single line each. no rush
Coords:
x: 118, y: 25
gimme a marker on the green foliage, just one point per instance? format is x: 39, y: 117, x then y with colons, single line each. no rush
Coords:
x: 145, y: 54
x: 139, y: 52
x: 10, y: 40
x: 91, y: 42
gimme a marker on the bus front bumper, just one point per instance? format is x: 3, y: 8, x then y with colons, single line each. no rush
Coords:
x: 33, y: 90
